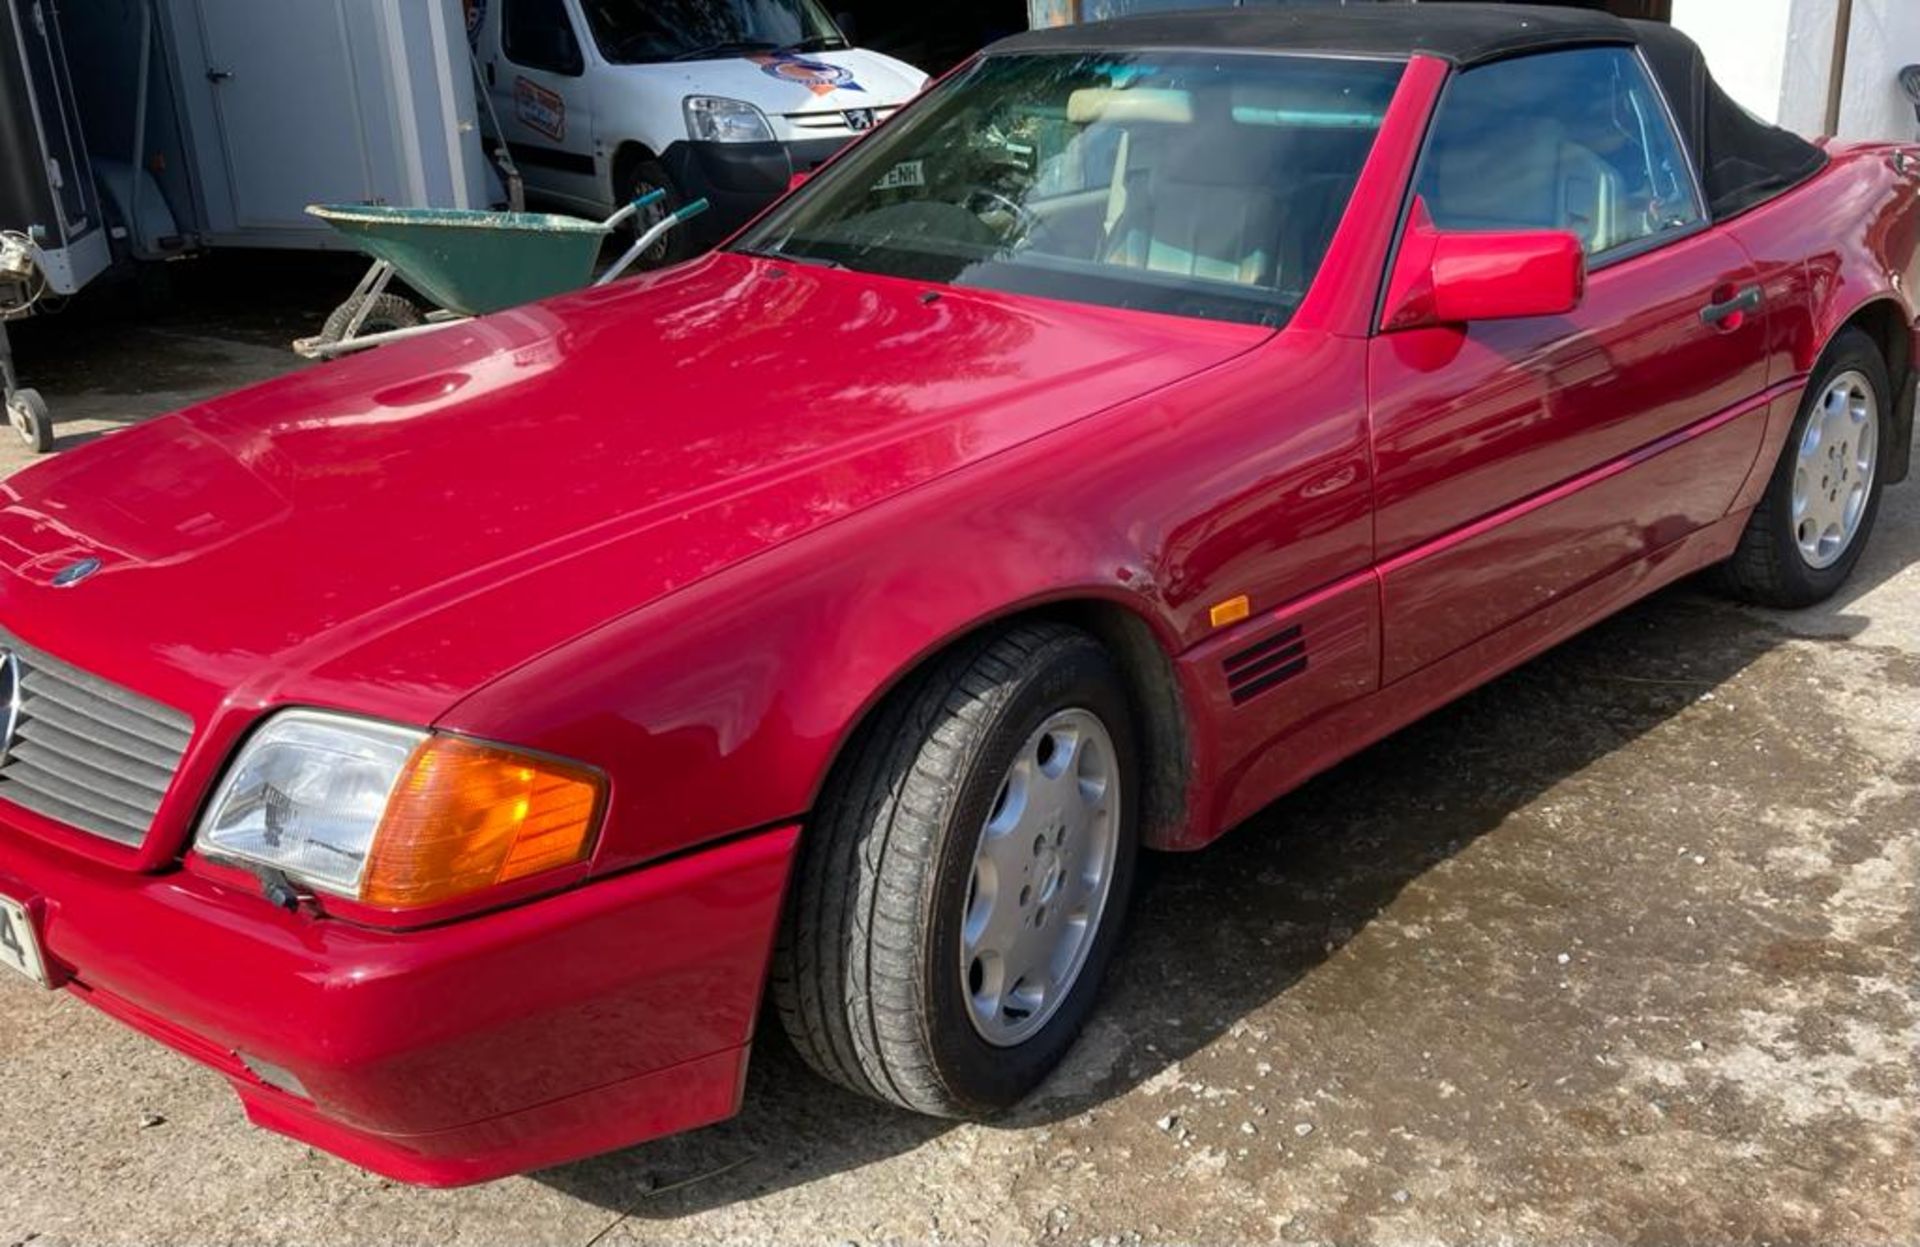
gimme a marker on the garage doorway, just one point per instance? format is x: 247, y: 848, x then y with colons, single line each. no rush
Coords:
x: 934, y: 37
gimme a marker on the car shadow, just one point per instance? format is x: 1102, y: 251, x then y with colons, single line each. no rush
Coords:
x: 1216, y: 935
x: 70, y: 441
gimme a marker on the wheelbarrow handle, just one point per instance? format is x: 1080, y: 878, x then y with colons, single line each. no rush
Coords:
x: 645, y: 201
x: 661, y: 229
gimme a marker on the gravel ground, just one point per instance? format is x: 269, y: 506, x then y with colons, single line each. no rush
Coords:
x: 1620, y: 949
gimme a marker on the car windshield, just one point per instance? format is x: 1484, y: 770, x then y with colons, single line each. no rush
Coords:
x: 1196, y: 184
x: 633, y: 31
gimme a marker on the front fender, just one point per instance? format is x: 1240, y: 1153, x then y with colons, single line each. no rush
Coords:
x: 634, y: 105
x: 723, y: 708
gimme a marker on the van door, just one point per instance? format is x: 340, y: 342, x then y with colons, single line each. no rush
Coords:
x: 291, y: 126
x: 536, y: 69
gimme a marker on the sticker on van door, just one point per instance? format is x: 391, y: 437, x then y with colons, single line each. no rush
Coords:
x: 816, y: 76
x: 540, y: 109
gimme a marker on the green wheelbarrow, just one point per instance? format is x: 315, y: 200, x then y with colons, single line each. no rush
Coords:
x: 468, y: 264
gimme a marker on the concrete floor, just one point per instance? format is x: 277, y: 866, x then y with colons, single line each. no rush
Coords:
x: 1621, y: 949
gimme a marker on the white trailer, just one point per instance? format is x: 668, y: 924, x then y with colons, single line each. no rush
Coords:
x: 143, y: 130
x: 326, y: 101
x: 240, y: 113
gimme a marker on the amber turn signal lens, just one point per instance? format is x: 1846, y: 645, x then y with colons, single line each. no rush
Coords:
x: 467, y: 816
x: 1231, y: 611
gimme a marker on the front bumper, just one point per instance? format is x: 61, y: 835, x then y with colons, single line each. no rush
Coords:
x: 601, y: 1017
x: 740, y: 179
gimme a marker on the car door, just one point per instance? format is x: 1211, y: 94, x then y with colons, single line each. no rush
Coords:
x: 539, y: 87
x: 1520, y: 460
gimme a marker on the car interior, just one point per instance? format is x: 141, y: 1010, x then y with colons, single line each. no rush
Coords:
x: 1218, y: 184
x: 1597, y: 163
x: 1532, y: 176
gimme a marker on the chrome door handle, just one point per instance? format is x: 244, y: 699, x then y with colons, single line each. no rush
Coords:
x: 219, y: 75
x: 1746, y: 300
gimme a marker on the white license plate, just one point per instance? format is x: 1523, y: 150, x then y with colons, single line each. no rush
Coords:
x: 907, y: 173
x: 19, y: 948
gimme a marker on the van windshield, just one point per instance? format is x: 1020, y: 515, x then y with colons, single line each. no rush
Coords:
x: 631, y: 32
x: 1199, y: 184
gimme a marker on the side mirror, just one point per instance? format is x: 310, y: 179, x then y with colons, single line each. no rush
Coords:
x: 1446, y: 278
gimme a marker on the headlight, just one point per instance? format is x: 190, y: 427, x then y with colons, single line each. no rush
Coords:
x: 714, y: 120
x: 393, y: 817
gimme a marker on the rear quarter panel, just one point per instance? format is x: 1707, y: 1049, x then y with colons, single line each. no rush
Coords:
x: 1854, y: 230
x: 1830, y: 249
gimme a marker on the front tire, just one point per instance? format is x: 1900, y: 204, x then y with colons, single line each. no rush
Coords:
x: 1812, y: 525
x: 966, y: 876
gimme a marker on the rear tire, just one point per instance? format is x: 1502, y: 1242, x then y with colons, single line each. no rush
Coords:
x: 899, y: 974
x: 1812, y: 525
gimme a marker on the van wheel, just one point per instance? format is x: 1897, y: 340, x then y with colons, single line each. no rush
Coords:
x: 1812, y: 525
x: 965, y: 878
x: 642, y: 177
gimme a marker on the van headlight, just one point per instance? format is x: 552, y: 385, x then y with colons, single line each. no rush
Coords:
x: 394, y: 817
x: 712, y: 119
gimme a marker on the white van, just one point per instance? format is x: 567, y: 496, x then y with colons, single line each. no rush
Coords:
x: 604, y: 100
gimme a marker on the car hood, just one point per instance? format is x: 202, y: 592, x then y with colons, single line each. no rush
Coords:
x: 390, y: 532
x: 784, y: 83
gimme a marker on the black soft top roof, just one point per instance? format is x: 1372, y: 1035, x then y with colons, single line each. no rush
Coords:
x: 1466, y: 34
x: 1742, y: 160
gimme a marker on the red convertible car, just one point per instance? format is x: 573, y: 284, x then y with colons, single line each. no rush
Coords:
x: 455, y: 746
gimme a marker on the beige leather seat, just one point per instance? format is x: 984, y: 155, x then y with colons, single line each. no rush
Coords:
x: 1251, y: 205
x: 1210, y: 211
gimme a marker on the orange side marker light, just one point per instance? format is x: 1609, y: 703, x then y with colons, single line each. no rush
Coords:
x: 1231, y: 611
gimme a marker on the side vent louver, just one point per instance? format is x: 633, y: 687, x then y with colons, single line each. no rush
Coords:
x: 1269, y: 664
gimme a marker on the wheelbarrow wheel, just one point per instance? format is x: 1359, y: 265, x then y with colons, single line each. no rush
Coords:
x: 385, y: 313
x: 639, y: 178
x: 32, y: 422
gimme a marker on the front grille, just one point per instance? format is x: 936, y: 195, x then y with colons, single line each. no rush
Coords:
x: 815, y: 123
x: 86, y: 752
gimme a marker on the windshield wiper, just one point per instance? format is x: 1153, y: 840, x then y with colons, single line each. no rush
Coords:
x: 768, y: 253
x: 729, y: 47
x: 819, y: 43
